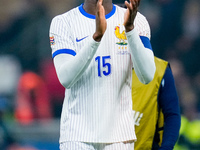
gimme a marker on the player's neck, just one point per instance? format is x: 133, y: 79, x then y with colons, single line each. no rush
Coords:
x: 90, y: 6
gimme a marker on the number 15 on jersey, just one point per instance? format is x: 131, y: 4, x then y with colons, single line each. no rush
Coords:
x: 104, y: 66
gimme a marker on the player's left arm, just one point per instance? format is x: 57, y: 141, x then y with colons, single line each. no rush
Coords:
x: 140, y: 47
x: 168, y: 101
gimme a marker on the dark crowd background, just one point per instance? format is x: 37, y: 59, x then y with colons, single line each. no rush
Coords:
x: 31, y: 96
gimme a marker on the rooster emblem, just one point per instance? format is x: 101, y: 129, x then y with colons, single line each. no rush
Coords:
x: 121, y: 36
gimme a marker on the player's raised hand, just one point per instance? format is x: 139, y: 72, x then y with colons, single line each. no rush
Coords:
x: 130, y: 14
x: 101, y: 23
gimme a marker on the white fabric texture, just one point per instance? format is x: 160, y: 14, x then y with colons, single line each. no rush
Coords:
x: 98, y: 104
x: 96, y: 146
x: 142, y: 58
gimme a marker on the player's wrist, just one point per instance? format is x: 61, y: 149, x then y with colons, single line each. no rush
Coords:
x: 128, y: 28
x: 97, y: 37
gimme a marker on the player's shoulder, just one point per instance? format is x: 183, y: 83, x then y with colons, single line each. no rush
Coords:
x: 119, y: 8
x: 141, y: 17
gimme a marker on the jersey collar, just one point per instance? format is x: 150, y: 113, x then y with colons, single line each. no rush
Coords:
x: 93, y: 16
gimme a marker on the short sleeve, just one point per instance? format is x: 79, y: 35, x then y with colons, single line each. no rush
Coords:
x: 60, y: 35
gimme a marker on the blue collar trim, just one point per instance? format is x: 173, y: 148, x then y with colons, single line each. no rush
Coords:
x: 93, y: 16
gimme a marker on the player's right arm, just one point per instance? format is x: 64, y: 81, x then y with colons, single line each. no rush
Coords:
x: 70, y: 65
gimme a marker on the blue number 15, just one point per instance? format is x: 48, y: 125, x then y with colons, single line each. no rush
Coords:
x: 103, y: 64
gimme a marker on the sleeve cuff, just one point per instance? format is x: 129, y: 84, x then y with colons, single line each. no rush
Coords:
x: 132, y: 32
x: 93, y: 42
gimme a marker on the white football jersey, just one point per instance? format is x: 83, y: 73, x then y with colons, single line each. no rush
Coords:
x: 98, y: 108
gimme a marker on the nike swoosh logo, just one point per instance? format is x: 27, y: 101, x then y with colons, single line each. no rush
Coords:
x: 78, y: 40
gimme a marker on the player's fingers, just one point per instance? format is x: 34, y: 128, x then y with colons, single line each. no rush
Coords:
x: 126, y: 3
x: 100, y: 10
x: 100, y: 2
x: 134, y: 3
x: 128, y: 6
x: 137, y: 3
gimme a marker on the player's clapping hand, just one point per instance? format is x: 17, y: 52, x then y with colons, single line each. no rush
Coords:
x: 101, y: 23
x: 130, y: 14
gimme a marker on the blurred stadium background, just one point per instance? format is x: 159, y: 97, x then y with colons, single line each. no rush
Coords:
x: 31, y: 96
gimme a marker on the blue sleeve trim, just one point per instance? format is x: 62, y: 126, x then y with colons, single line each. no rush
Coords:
x: 64, y: 51
x: 146, y: 42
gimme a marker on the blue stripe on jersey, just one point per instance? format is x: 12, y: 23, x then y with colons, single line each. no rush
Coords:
x: 145, y: 40
x: 64, y: 51
x: 93, y: 16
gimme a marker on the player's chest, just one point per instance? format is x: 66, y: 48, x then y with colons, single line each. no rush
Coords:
x: 114, y: 40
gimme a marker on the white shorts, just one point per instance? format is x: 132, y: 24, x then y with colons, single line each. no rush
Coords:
x: 96, y: 146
